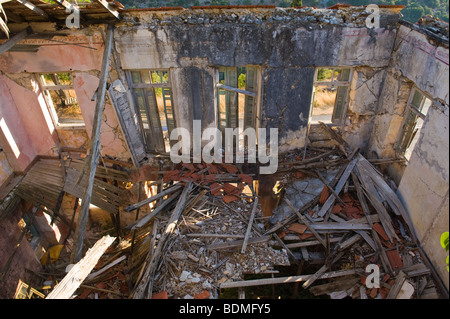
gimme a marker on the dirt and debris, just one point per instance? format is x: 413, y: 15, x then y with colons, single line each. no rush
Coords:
x: 336, y: 216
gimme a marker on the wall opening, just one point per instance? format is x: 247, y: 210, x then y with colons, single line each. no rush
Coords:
x: 60, y: 95
x: 237, y: 98
x: 330, y: 95
x: 414, y: 117
x: 153, y: 96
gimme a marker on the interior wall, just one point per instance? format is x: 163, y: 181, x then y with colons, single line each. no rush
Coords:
x: 418, y: 61
x: 82, y: 56
x: 286, y: 51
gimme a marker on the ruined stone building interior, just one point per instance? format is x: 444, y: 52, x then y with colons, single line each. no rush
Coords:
x: 88, y: 189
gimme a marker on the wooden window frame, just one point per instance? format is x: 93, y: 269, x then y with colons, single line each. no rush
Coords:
x: 336, y: 119
x: 153, y: 143
x: 401, y: 145
x: 70, y: 124
x: 251, y: 93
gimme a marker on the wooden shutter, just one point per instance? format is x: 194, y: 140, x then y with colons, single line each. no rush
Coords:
x: 128, y: 122
x: 408, y: 132
x: 340, y: 105
x: 156, y: 139
x: 250, y: 101
x: 231, y: 79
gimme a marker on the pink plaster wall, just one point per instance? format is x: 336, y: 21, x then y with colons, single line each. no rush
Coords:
x: 111, y: 137
x: 24, y: 257
x: 54, y: 58
x: 35, y: 116
x: 12, y: 118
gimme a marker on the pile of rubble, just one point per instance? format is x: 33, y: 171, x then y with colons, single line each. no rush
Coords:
x: 337, y: 217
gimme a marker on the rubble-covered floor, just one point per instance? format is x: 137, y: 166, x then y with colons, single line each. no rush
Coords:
x: 209, y: 233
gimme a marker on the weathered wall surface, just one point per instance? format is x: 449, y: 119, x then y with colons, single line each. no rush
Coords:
x: 5, y: 168
x: 24, y: 257
x: 418, y: 61
x: 286, y: 44
x: 82, y: 56
x: 424, y: 188
x: 14, y: 138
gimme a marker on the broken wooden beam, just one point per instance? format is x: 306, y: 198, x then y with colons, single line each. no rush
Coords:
x: 285, y: 280
x: 6, y: 46
x: 105, y: 4
x: 34, y: 8
x: 238, y: 243
x: 149, y: 200
x: 249, y: 226
x: 306, y: 222
x: 145, y: 219
x: 143, y: 288
x: 94, y: 149
x: 74, y: 278
x: 330, y: 201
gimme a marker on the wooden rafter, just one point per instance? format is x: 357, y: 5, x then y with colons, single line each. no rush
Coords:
x: 95, y: 147
x: 14, y: 40
x: 110, y: 8
x: 34, y: 8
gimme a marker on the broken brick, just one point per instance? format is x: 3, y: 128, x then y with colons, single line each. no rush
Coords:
x: 380, y: 230
x: 215, y: 189
x: 212, y: 169
x: 384, y: 292
x: 231, y: 169
x: 203, y: 295
x: 172, y: 176
x: 298, y: 228
x: 246, y: 179
x: 231, y: 190
x: 374, y: 292
x: 347, y: 198
x: 305, y: 236
x: 324, y: 195
x: 230, y: 198
x: 394, y: 259
x: 160, y: 295
x: 210, y: 178
x: 189, y: 166
x: 336, y: 209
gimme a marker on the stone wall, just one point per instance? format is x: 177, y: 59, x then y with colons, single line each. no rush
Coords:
x: 419, y: 61
x: 287, y: 45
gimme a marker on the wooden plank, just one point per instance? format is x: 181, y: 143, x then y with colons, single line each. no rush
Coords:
x: 249, y: 226
x: 34, y: 8
x: 149, y: 200
x: 95, y: 147
x: 376, y: 202
x: 340, y: 226
x: 343, y: 284
x: 238, y: 243
x: 286, y: 280
x: 311, y: 243
x: 306, y: 222
x: 66, y: 288
x: 128, y: 123
x: 233, y: 89
x: 109, y: 8
x: 145, y: 219
x: 146, y: 279
x: 399, y: 280
x: 14, y: 40
x: 330, y: 201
